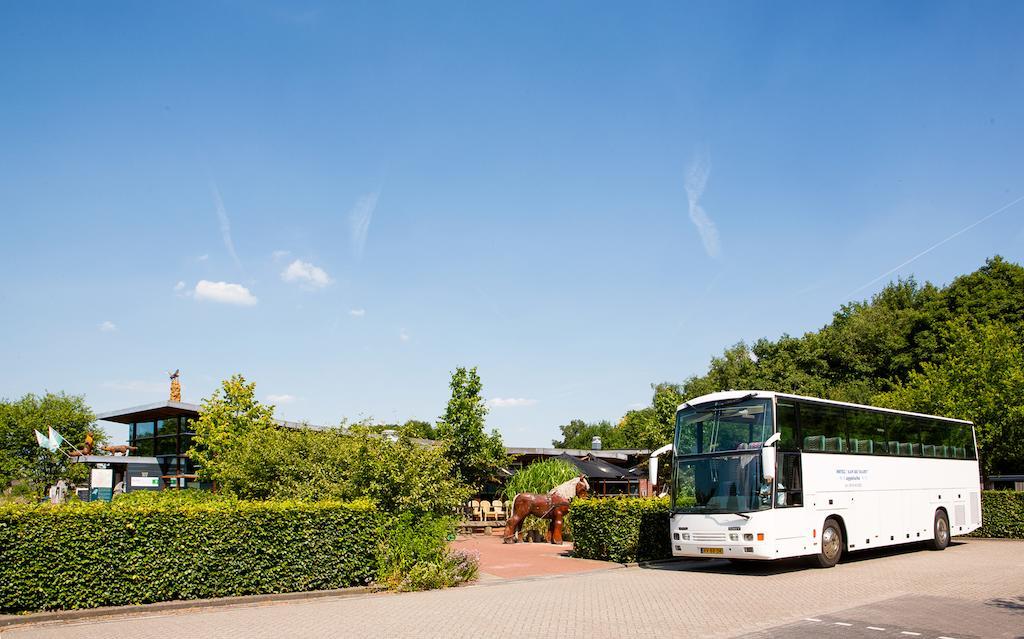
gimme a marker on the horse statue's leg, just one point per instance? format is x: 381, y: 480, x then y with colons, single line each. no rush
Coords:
x: 514, y: 523
x: 557, y: 520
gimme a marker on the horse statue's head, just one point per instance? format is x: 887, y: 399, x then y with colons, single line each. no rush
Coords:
x: 582, y: 486
x: 575, y: 487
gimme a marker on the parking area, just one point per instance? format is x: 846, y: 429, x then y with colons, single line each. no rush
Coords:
x: 975, y: 588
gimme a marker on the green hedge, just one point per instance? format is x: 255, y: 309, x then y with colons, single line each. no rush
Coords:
x: 621, y: 529
x: 84, y: 555
x: 1002, y: 514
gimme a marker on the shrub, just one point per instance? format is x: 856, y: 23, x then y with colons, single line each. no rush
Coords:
x: 621, y: 529
x: 146, y: 548
x: 414, y: 555
x: 1002, y: 514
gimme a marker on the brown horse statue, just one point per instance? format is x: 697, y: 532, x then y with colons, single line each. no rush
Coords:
x: 552, y: 506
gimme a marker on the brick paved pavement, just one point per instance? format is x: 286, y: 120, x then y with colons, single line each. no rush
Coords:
x: 710, y: 599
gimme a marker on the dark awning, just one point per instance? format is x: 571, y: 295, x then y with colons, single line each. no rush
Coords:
x: 597, y: 468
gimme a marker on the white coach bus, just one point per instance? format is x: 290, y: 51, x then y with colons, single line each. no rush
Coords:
x: 763, y: 475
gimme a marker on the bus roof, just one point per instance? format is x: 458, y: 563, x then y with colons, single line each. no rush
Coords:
x: 761, y: 394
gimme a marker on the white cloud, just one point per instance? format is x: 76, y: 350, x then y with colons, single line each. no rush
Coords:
x: 404, y: 336
x: 306, y: 274
x: 203, y: 257
x: 280, y: 254
x: 357, y: 312
x: 225, y: 225
x: 281, y: 399
x: 225, y: 293
x: 696, y: 179
x: 136, y: 386
x: 179, y: 287
x: 359, y: 219
x: 107, y: 326
x: 510, y: 402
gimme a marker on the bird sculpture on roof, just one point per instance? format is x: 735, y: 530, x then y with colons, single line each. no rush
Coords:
x: 175, y: 385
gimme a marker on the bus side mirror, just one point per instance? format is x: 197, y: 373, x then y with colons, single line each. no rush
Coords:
x: 653, y: 471
x: 768, y: 458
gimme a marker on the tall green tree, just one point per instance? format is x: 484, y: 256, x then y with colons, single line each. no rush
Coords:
x: 21, y: 458
x: 980, y: 378
x: 580, y: 434
x: 475, y: 455
x: 226, y: 419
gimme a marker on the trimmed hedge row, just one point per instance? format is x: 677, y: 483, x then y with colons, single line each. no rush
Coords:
x: 621, y: 529
x: 1002, y: 514
x: 85, y: 555
x: 627, y: 529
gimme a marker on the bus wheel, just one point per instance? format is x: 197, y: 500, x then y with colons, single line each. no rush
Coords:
x: 941, y: 529
x: 831, y: 545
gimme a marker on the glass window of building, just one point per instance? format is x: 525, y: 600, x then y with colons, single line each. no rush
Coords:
x: 167, y: 426
x: 143, y: 429
x: 166, y: 446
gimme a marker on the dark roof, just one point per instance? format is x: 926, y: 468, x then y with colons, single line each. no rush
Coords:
x: 598, y: 468
x: 163, y: 410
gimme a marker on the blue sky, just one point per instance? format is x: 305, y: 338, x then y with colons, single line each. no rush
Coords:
x: 345, y: 202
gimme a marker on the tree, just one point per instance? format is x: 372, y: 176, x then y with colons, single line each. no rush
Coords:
x: 416, y: 428
x: 227, y: 419
x: 21, y: 458
x: 475, y: 455
x: 309, y: 464
x: 980, y: 378
x: 580, y: 434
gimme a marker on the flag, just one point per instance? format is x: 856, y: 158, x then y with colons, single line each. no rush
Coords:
x: 56, y: 439
x: 43, y: 441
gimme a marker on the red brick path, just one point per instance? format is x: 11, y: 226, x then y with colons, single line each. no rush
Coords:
x: 509, y: 561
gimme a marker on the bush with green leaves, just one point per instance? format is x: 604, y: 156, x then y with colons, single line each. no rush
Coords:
x: 148, y: 548
x: 622, y: 529
x: 413, y: 554
x: 1002, y: 514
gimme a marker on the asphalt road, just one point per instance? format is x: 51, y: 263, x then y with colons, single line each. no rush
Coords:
x: 974, y: 588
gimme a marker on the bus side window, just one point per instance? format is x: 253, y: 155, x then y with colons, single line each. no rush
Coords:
x: 789, y: 489
x: 822, y: 428
x: 867, y: 432
x: 904, y: 435
x: 786, y: 421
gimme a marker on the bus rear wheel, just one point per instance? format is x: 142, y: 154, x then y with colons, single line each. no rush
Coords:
x: 831, y: 545
x: 941, y: 529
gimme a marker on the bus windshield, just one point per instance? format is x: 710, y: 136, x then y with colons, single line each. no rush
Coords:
x: 728, y: 483
x: 723, y: 426
x: 718, y: 456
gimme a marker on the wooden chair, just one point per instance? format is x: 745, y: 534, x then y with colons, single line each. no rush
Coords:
x: 475, y: 509
x: 499, y: 511
x: 485, y: 509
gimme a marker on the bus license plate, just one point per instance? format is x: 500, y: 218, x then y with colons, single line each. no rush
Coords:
x: 711, y: 551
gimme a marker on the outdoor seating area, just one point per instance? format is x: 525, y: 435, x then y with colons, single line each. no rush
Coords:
x: 484, y: 510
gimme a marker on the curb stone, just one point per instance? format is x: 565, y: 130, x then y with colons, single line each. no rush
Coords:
x: 9, y: 621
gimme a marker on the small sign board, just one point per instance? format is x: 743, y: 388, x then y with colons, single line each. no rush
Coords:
x: 145, y: 482
x: 102, y: 478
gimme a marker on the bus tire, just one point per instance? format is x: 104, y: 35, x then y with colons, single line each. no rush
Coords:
x: 940, y: 531
x: 831, y: 545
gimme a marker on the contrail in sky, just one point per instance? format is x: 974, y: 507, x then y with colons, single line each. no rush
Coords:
x: 935, y: 246
x: 225, y: 224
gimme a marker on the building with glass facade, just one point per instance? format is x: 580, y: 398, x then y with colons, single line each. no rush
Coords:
x: 164, y: 431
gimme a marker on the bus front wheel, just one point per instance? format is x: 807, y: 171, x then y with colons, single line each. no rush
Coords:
x: 831, y: 545
x: 941, y: 529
